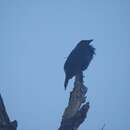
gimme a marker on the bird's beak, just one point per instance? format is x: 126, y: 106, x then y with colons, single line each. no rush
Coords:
x: 91, y: 40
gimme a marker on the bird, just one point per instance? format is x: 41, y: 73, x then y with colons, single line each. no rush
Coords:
x: 78, y: 60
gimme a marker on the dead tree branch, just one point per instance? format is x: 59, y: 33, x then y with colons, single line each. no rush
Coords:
x: 103, y: 127
x: 5, y: 123
x: 76, y: 111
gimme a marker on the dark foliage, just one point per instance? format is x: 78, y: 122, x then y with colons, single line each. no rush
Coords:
x: 78, y: 60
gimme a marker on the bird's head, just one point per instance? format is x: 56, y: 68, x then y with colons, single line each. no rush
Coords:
x: 84, y: 43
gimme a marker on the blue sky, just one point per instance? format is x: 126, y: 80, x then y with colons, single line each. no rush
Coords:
x: 35, y: 39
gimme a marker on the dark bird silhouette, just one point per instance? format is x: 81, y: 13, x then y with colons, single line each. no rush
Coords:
x: 78, y: 60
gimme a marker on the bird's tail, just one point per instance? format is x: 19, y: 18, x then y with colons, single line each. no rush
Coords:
x: 66, y: 82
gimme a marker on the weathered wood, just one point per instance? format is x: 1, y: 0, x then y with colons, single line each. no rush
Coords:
x: 5, y: 123
x: 76, y: 111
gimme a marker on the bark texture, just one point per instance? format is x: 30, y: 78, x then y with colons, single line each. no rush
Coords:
x: 76, y: 111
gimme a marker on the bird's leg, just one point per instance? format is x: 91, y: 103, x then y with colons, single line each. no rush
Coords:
x: 79, y: 77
